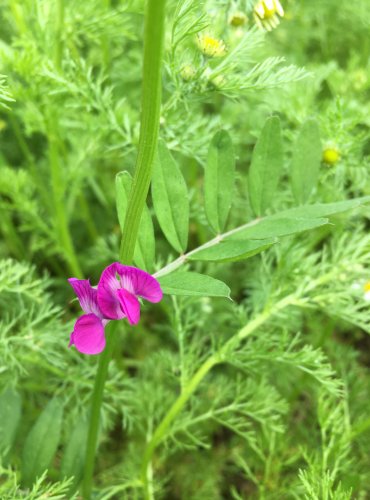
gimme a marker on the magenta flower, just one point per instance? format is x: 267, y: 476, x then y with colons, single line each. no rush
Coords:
x: 116, y: 297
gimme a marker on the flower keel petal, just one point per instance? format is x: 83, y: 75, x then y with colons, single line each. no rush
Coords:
x: 130, y: 306
x: 107, y: 293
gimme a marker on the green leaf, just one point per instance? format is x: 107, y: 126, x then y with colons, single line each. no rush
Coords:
x: 193, y: 284
x: 145, y: 245
x: 10, y: 414
x: 306, y: 161
x: 170, y: 199
x: 232, y: 250
x: 324, y: 209
x: 266, y: 166
x: 42, y: 442
x: 272, y: 227
x: 219, y: 180
x: 74, y: 454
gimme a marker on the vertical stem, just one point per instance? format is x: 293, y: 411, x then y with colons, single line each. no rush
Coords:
x: 150, y: 110
x: 96, y: 402
x: 59, y: 18
x: 150, y: 106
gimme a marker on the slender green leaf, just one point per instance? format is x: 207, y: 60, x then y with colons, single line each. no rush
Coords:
x: 219, y: 180
x: 273, y: 227
x: 194, y: 284
x: 232, y: 250
x: 145, y: 245
x: 42, y: 442
x: 74, y: 454
x: 324, y: 209
x: 170, y: 199
x: 306, y: 161
x: 266, y: 166
x: 10, y: 414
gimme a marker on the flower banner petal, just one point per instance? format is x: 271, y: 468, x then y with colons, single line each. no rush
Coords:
x: 140, y: 283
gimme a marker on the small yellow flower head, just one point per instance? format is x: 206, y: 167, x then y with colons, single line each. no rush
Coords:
x: 367, y: 291
x: 238, y: 19
x: 187, y: 72
x: 330, y: 155
x: 267, y: 12
x: 210, y: 46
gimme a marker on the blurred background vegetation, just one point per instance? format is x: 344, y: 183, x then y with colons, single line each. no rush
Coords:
x: 288, y: 415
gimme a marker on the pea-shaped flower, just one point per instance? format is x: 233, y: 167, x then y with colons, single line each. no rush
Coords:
x: 116, y: 297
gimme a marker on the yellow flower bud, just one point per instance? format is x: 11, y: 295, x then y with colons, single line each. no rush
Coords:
x: 237, y: 19
x: 187, y: 72
x: 210, y: 46
x: 330, y: 155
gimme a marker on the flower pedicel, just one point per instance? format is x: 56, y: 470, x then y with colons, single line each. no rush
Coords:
x: 116, y: 297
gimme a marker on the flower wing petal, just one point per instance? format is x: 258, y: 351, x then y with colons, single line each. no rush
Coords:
x: 107, y: 293
x: 130, y: 305
x: 87, y: 296
x: 140, y: 283
x: 88, y: 334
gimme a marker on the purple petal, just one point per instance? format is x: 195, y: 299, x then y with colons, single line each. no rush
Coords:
x: 87, y: 296
x: 139, y: 283
x: 88, y: 334
x: 107, y: 293
x: 130, y: 306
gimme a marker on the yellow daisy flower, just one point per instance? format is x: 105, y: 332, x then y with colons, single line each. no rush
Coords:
x: 266, y: 14
x: 210, y: 46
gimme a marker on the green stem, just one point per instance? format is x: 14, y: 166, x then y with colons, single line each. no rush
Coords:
x: 61, y: 222
x: 58, y: 51
x: 150, y: 108
x: 96, y: 402
x: 150, y: 112
x: 194, y: 382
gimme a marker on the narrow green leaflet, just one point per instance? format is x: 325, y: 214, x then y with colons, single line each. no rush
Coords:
x: 273, y: 227
x: 266, y: 166
x: 74, y: 454
x: 10, y: 413
x: 219, y: 180
x: 42, y: 442
x: 232, y: 250
x: 324, y: 209
x: 193, y: 284
x: 170, y: 199
x: 306, y: 161
x: 145, y: 245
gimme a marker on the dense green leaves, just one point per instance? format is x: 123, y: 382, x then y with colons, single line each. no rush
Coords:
x: 170, y: 198
x: 10, y: 413
x: 145, y: 245
x: 193, y: 284
x: 219, y: 180
x: 266, y: 166
x: 228, y: 251
x: 42, y: 442
x: 306, y: 161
